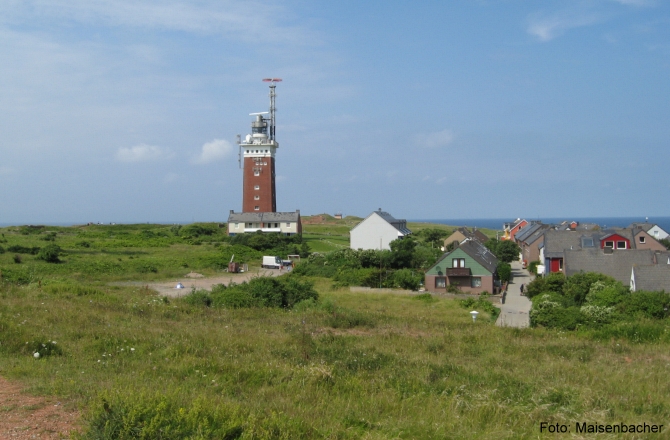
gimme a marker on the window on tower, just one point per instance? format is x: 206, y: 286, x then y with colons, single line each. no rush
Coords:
x: 257, y: 173
x: 257, y: 187
x: 257, y: 208
x: 257, y: 197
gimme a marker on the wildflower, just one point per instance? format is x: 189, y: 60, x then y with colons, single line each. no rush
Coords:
x: 132, y: 349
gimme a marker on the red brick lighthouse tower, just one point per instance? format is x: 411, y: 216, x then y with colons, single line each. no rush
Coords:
x: 257, y: 159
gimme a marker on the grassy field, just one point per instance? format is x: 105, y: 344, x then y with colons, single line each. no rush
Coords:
x: 349, y: 366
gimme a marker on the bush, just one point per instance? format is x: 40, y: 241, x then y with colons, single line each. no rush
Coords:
x: 551, y: 314
x: 407, y: 279
x: 578, y: 286
x: 49, y: 253
x: 654, y: 305
x: 24, y: 250
x: 605, y: 295
x: 532, y: 267
x: 480, y: 304
x: 284, y: 292
x: 504, y: 272
x: 17, y: 259
x: 2, y: 250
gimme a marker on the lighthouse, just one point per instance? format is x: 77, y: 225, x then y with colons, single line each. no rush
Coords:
x: 257, y: 154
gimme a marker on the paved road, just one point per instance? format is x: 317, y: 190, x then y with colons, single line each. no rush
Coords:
x: 514, y: 313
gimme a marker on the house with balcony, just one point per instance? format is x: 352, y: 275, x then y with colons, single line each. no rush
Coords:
x: 286, y: 223
x: 471, y: 268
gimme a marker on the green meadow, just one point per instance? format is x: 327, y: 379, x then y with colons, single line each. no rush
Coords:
x: 345, y: 366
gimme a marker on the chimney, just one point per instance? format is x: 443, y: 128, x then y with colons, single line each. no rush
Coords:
x: 232, y: 211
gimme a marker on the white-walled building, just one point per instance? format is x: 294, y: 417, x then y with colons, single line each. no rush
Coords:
x: 286, y: 223
x: 377, y: 231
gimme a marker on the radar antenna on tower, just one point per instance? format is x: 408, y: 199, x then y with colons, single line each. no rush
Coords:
x: 272, y: 82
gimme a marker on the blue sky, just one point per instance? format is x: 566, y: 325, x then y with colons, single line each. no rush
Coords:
x: 127, y: 111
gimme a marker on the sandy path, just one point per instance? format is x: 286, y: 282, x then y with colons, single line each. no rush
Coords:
x: 27, y: 417
x: 167, y: 288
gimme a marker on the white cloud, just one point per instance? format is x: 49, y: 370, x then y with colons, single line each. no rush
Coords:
x: 142, y: 153
x: 546, y: 28
x: 434, y: 140
x: 248, y: 20
x: 212, y: 151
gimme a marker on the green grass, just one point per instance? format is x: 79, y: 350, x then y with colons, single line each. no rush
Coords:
x: 351, y: 366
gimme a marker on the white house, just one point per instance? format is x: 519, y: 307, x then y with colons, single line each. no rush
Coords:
x: 377, y: 231
x: 286, y: 223
x: 652, y: 229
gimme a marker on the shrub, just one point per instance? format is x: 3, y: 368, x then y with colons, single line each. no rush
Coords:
x: 284, y: 292
x: 547, y: 312
x: 532, y: 267
x: 480, y: 304
x: 2, y: 250
x: 17, y: 259
x: 24, y: 250
x: 504, y: 272
x: 605, y: 295
x: 407, y: 279
x: 645, y: 304
x: 578, y: 286
x: 49, y: 253
x: 597, y: 314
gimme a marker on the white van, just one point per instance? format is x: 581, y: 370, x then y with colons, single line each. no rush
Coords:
x: 271, y: 262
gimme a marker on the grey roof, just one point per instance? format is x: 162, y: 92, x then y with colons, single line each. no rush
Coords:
x: 644, y: 226
x: 652, y: 277
x: 263, y: 217
x: 555, y: 242
x: 537, y: 235
x: 527, y: 231
x: 400, y: 225
x: 478, y: 252
x: 616, y: 264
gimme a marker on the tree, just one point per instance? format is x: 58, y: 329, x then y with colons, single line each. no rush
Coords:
x: 504, y: 272
x: 433, y: 236
x: 505, y: 250
x: 402, y: 252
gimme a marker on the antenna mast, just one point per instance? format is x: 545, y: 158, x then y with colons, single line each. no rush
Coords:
x: 272, y: 81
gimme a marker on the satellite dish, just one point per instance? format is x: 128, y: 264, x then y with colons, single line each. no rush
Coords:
x: 258, y: 113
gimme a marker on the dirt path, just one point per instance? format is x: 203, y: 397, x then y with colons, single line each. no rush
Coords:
x: 168, y: 288
x: 29, y: 417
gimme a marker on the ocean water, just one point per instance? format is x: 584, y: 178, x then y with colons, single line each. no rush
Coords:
x: 604, y: 222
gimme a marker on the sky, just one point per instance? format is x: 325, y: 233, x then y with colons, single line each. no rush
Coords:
x: 126, y: 111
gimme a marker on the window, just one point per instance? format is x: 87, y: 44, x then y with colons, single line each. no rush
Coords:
x: 257, y: 187
x: 288, y: 225
x: 609, y: 244
x: 476, y: 282
x: 642, y: 239
x: 621, y: 245
x: 560, y: 264
x: 257, y: 197
x: 655, y: 233
x: 458, y: 262
x: 257, y: 208
x: 587, y: 242
x: 257, y: 172
x: 237, y: 225
x: 440, y: 282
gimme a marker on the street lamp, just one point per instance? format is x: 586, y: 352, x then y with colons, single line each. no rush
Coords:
x: 474, y: 314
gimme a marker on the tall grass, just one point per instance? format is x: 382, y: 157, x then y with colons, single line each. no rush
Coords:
x: 350, y: 366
